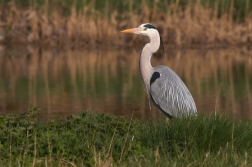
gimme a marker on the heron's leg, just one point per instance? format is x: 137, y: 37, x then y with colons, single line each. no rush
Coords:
x: 149, y: 103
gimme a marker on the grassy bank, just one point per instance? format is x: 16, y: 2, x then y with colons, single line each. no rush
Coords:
x: 103, y: 140
x: 85, y: 23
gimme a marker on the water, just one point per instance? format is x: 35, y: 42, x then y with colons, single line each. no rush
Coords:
x: 63, y: 82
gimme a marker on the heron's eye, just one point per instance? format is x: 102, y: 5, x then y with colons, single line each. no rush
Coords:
x: 145, y: 28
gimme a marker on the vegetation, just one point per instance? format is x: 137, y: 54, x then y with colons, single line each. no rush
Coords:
x: 81, y: 23
x: 239, y: 8
x: 104, y: 140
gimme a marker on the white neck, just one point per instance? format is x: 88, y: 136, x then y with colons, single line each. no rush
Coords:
x: 146, y: 69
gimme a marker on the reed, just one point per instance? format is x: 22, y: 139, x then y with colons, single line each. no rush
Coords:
x: 94, y: 23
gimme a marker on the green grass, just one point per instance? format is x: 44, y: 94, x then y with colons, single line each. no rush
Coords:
x: 100, y: 139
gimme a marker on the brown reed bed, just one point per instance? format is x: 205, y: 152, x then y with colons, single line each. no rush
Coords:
x: 191, y: 26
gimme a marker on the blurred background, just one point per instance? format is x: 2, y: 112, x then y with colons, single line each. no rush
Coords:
x: 66, y: 56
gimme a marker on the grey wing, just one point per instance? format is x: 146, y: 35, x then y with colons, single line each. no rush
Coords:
x: 170, y: 94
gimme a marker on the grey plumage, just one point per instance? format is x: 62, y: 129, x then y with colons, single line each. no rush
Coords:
x: 163, y: 86
x: 171, y: 95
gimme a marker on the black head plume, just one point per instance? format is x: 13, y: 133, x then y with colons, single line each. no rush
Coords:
x: 161, y: 41
x: 149, y: 26
x: 162, y: 45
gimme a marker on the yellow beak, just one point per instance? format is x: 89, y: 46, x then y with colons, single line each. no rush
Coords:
x: 132, y: 30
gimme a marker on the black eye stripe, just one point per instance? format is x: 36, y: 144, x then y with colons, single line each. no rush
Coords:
x: 149, y: 26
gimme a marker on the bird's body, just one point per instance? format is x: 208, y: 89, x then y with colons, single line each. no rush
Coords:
x: 164, y: 87
x: 171, y: 95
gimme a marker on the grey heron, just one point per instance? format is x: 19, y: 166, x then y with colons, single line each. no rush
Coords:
x: 164, y: 87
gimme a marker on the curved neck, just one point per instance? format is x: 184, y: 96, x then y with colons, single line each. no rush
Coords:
x: 146, y: 69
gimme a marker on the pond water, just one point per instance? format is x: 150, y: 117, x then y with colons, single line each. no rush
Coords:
x: 63, y: 82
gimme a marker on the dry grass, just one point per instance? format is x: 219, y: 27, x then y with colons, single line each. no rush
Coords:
x: 194, y: 25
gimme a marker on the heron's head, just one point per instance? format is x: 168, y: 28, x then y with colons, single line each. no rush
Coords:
x: 148, y: 30
x: 144, y: 29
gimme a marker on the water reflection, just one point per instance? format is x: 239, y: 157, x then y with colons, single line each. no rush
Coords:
x: 68, y: 81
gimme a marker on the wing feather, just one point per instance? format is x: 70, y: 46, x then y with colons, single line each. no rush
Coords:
x: 171, y: 95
